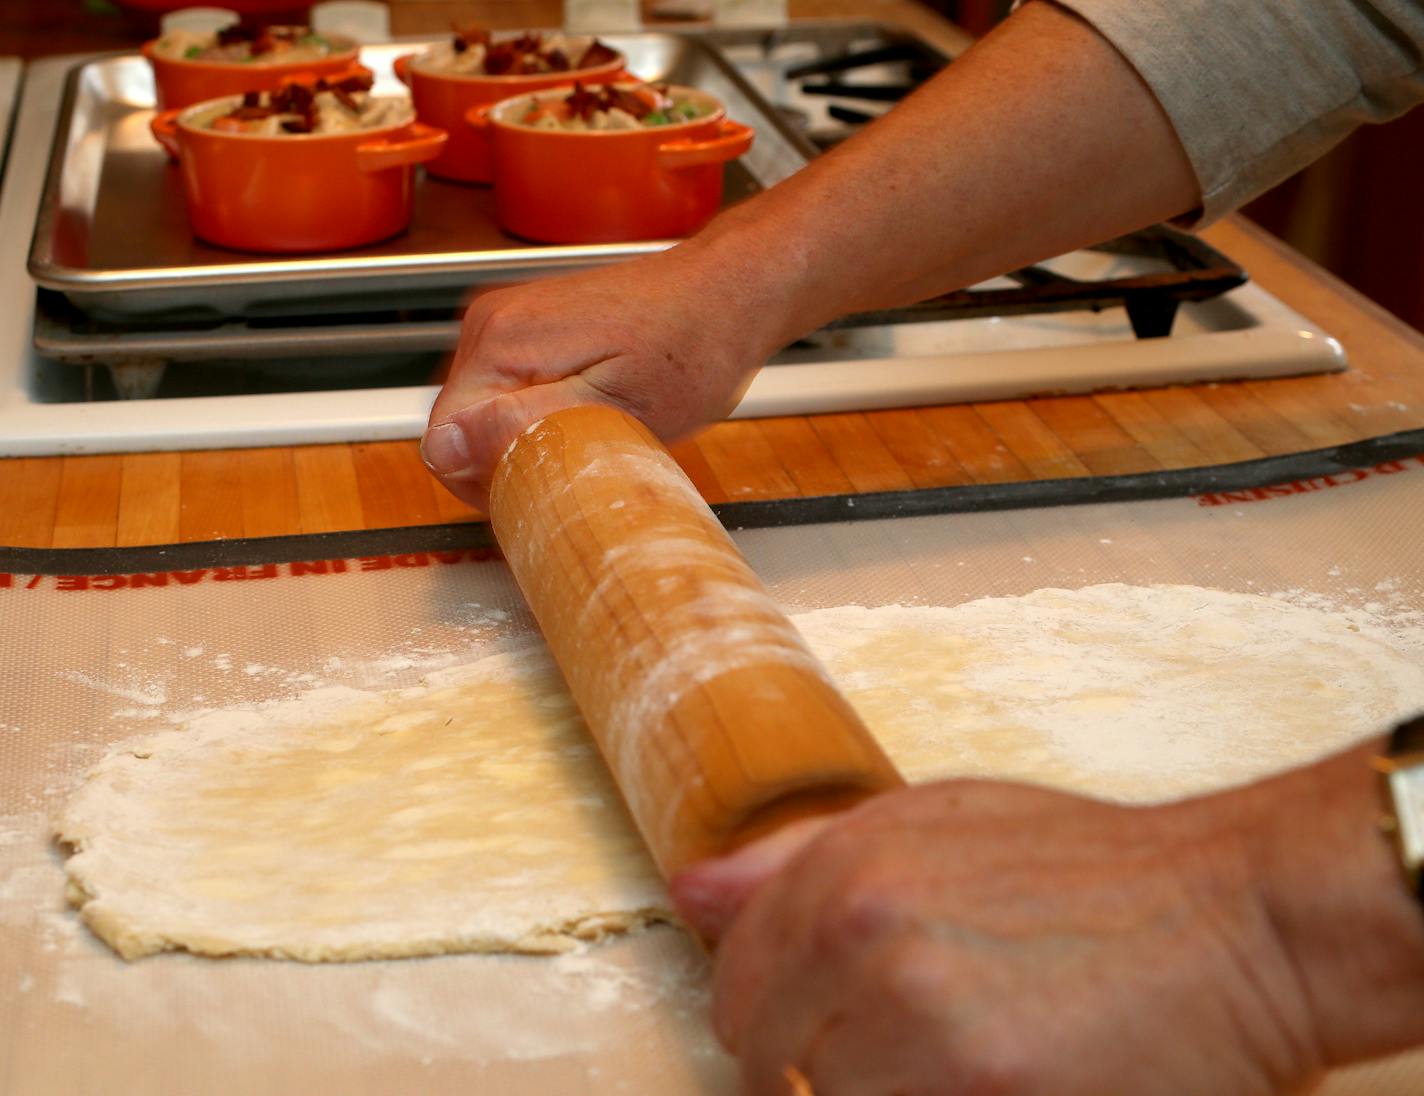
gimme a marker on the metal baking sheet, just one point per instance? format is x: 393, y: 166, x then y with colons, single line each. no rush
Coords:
x: 112, y: 234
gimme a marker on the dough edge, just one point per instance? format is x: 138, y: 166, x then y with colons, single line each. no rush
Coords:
x: 131, y: 939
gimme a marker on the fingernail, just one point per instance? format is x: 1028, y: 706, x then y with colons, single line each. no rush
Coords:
x: 443, y: 449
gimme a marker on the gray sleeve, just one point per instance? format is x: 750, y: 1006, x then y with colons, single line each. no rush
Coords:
x: 1256, y: 89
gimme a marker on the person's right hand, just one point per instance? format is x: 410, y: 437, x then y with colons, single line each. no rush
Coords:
x: 663, y: 338
x: 975, y: 936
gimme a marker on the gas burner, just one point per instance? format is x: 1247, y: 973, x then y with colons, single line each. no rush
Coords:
x: 835, y: 76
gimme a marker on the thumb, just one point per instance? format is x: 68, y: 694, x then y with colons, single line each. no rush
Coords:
x: 710, y: 894
x: 463, y: 447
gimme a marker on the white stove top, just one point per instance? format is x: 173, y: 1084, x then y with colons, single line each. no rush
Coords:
x: 1247, y: 332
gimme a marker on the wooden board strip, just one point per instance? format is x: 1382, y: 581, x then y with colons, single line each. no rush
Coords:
x: 1042, y: 451
x: 395, y: 487
x: 1141, y: 421
x: 29, y: 498
x: 856, y: 448
x: 88, y: 509
x: 268, y: 485
x: 1300, y: 403
x: 974, y: 444
x: 328, y: 496
x: 922, y: 453
x: 804, y: 457
x: 149, y: 493
x: 743, y: 463
x: 1211, y: 437
x: 1254, y: 419
x: 1215, y: 438
x: 689, y: 455
x: 1101, y: 444
x: 210, y: 504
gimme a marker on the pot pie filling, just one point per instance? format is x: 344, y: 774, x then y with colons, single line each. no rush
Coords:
x: 472, y: 51
x: 322, y: 106
x: 242, y: 44
x: 610, y: 107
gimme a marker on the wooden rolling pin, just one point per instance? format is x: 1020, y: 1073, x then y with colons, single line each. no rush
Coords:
x: 717, y: 722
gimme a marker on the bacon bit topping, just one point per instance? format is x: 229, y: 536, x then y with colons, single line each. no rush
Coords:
x: 526, y: 54
x: 511, y: 58
x: 598, y: 54
x: 260, y: 40
x: 352, y: 82
x: 296, y: 101
x: 583, y: 103
x: 236, y: 34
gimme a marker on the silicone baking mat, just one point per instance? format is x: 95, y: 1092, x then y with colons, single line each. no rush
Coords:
x: 100, y: 646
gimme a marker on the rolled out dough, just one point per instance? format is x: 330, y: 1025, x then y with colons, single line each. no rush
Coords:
x: 473, y: 814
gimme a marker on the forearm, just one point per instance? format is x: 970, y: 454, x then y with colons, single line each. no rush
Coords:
x: 1334, y: 890
x: 1040, y: 139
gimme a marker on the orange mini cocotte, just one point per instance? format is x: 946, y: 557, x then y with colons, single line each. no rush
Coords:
x: 611, y: 179
x: 443, y: 93
x: 255, y: 179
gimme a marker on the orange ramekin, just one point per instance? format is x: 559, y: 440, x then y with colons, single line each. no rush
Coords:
x: 607, y: 186
x: 299, y: 192
x: 443, y: 99
x: 181, y: 83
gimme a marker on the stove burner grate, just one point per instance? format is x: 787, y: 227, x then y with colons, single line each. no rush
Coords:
x: 1197, y: 272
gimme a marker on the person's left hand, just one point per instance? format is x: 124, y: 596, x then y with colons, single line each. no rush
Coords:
x: 668, y: 338
x: 983, y: 937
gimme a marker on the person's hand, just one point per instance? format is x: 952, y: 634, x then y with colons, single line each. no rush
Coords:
x: 962, y: 181
x: 983, y: 937
x: 657, y: 337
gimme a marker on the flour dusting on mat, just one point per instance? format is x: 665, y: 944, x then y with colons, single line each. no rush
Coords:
x: 1138, y: 693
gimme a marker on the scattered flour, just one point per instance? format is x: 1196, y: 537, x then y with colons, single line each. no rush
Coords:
x: 151, y: 694
x: 479, y: 1010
